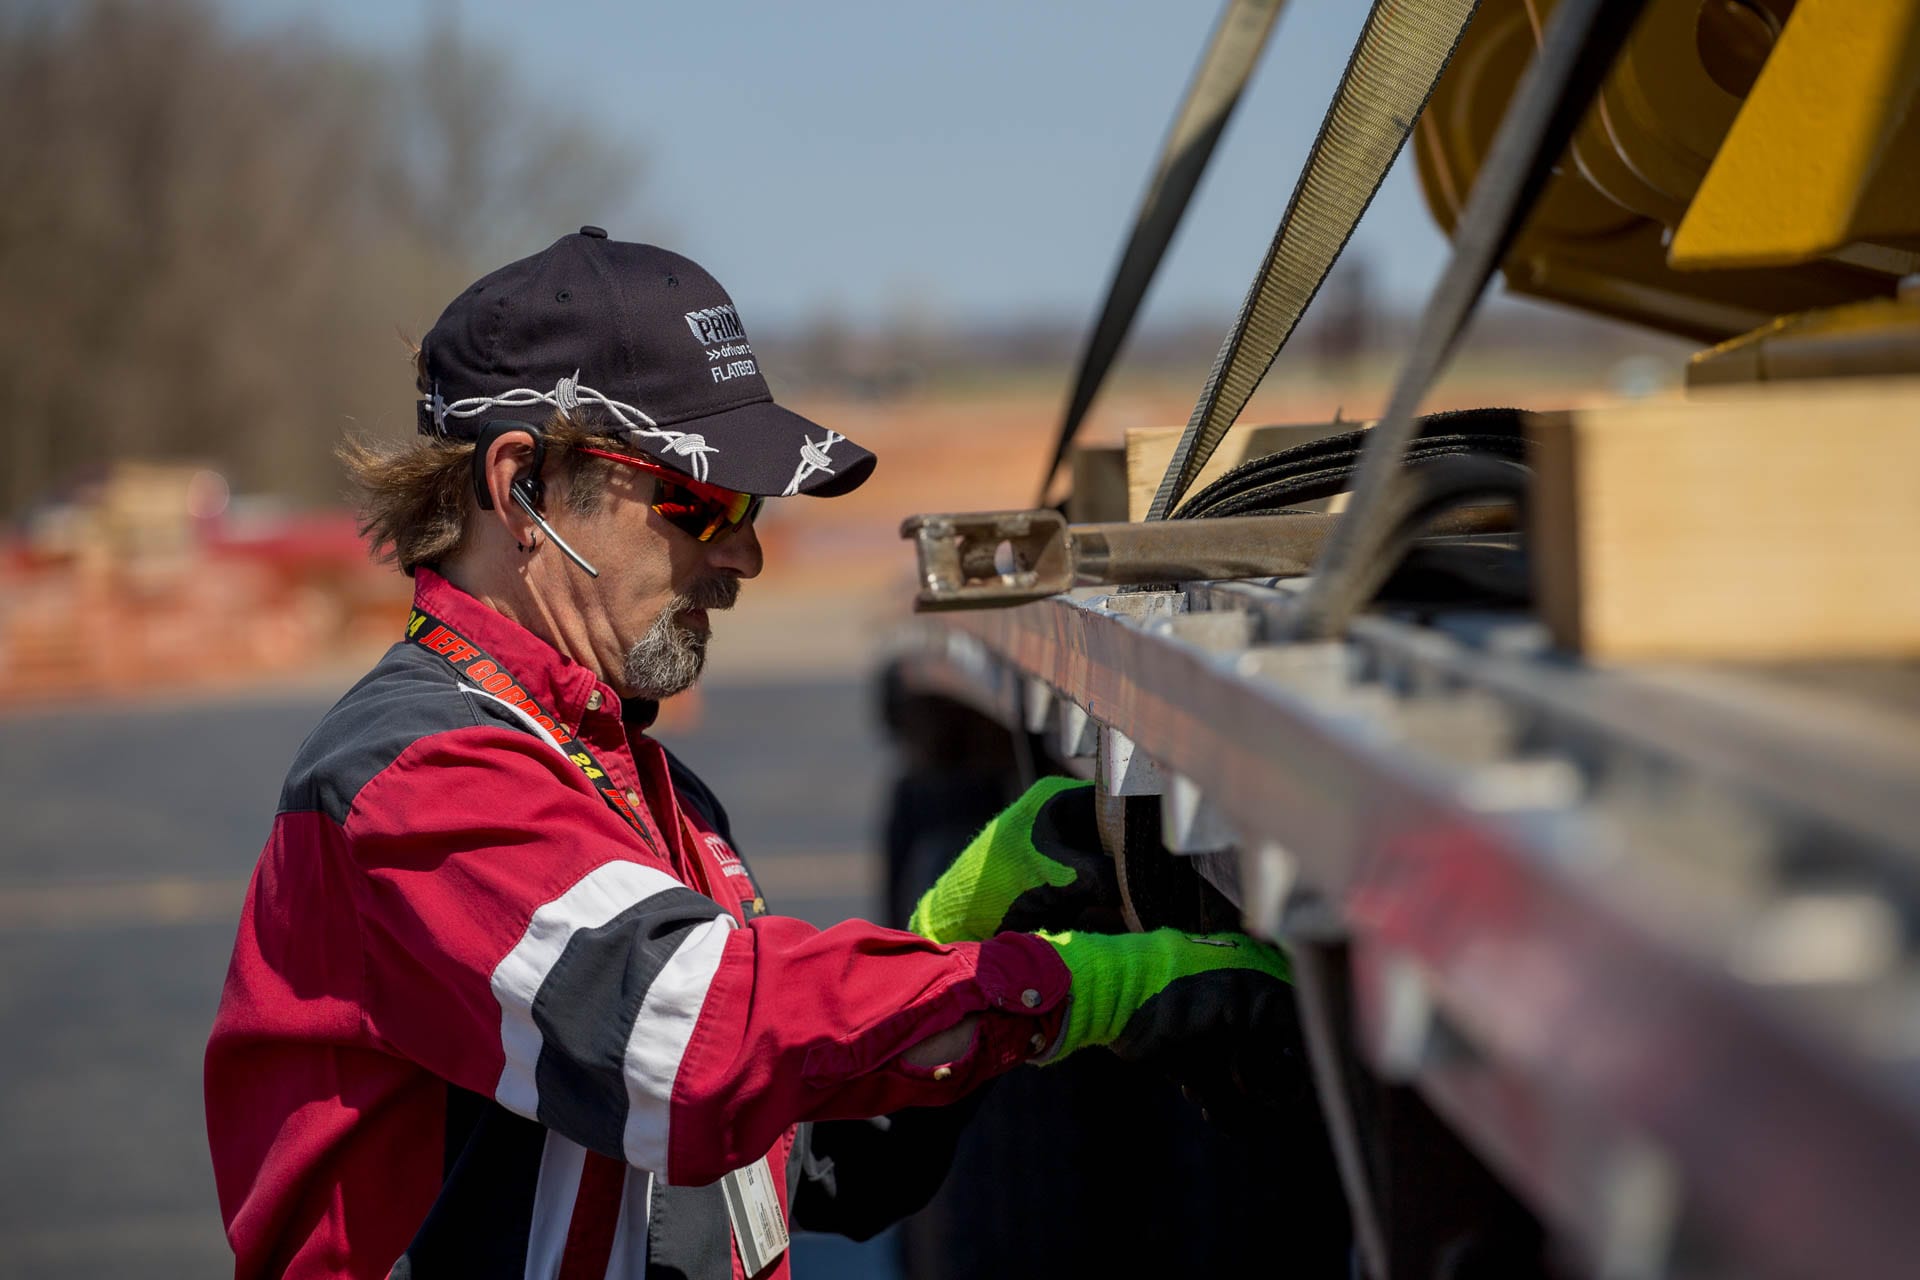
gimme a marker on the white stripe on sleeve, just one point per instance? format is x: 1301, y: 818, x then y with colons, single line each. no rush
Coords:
x: 659, y: 1040
x: 594, y: 899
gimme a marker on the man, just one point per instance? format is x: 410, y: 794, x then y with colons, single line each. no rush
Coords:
x: 505, y: 1001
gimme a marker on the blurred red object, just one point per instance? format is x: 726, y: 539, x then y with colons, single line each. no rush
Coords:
x: 142, y: 585
x: 137, y: 588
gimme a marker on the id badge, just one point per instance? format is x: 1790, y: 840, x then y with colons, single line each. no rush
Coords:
x: 753, y: 1206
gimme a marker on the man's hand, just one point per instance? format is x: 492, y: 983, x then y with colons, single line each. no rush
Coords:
x: 1232, y: 1041
x: 1037, y: 865
x: 1166, y: 996
x: 1215, y: 1012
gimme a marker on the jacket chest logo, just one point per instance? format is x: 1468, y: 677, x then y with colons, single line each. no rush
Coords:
x: 723, y: 855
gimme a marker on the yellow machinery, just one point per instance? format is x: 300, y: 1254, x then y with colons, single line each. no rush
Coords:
x: 1749, y: 177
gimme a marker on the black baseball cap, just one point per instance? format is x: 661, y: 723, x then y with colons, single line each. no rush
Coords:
x: 647, y: 338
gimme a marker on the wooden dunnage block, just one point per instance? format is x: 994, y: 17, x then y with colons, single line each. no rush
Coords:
x: 1754, y: 524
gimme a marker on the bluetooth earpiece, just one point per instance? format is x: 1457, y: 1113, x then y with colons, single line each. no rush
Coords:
x: 526, y: 489
x: 527, y: 484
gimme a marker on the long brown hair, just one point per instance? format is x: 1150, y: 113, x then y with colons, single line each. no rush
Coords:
x: 414, y: 499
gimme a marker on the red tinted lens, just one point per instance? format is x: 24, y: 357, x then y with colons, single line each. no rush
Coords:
x: 689, y: 506
x: 698, y: 514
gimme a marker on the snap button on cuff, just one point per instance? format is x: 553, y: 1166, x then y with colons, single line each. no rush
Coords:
x: 941, y: 1073
x: 1030, y: 998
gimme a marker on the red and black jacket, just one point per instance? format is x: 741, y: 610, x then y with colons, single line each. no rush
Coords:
x: 504, y: 1001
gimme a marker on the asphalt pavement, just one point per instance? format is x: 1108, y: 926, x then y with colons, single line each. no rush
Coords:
x: 129, y: 834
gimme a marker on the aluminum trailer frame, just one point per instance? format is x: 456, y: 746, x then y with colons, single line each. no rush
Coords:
x: 1644, y: 939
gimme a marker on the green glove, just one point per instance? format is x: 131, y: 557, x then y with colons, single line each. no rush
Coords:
x: 1038, y: 864
x: 1160, y: 996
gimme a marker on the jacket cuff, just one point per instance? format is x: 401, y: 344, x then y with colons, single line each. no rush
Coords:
x: 1015, y: 981
x: 1021, y: 975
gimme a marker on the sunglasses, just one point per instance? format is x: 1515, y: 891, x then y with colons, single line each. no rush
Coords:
x: 704, y: 510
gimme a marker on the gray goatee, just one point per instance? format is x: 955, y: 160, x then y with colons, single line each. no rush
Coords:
x: 669, y: 658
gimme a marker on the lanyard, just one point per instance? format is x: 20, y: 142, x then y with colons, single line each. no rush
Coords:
x: 473, y: 665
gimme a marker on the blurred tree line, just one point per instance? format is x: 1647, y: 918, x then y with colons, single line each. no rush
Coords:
x: 211, y: 240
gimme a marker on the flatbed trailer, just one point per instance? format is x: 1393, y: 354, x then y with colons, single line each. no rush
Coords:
x: 1599, y: 869
x: 1640, y: 937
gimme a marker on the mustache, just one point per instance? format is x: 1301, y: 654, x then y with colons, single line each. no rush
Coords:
x: 711, y: 593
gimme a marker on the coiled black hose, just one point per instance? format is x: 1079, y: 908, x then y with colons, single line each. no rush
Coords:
x: 1325, y: 467
x: 1456, y: 459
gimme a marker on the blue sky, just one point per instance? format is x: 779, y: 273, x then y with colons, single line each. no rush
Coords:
x: 978, y: 160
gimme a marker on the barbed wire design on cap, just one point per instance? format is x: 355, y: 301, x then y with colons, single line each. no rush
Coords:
x: 813, y: 457
x: 567, y: 396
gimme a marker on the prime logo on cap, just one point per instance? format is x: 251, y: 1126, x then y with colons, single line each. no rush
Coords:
x: 715, y: 325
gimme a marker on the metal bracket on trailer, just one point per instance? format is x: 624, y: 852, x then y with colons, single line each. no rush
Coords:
x: 990, y: 559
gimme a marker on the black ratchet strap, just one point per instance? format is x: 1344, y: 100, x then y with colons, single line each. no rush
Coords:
x: 1211, y: 97
x: 1402, y: 51
x: 1577, y: 49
